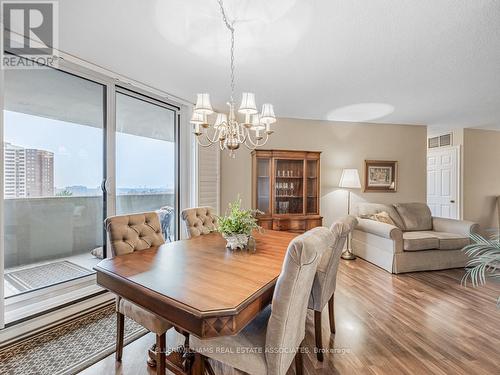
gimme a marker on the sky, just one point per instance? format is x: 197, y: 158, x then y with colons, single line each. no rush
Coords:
x: 141, y: 162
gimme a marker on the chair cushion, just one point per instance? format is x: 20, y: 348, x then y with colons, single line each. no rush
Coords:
x: 415, y: 241
x: 145, y: 318
x: 245, y: 351
x: 416, y: 216
x: 375, y: 208
x: 450, y: 241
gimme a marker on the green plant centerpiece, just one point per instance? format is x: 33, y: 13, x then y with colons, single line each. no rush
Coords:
x: 237, y: 225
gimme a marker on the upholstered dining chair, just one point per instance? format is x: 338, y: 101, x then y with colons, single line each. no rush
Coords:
x: 199, y: 221
x: 274, y: 338
x: 325, y: 281
x: 129, y: 233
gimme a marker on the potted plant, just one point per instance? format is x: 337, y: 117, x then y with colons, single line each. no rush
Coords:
x: 484, y: 254
x: 237, y: 225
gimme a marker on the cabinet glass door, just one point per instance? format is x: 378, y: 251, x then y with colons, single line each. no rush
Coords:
x: 312, y: 187
x: 263, y: 185
x: 289, y: 187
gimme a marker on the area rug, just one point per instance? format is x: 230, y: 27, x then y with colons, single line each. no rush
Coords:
x: 68, y: 348
x: 45, y: 275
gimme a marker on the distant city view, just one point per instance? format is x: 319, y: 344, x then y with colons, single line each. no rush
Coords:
x: 29, y: 173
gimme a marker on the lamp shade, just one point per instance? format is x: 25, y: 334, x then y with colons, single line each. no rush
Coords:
x: 256, y: 123
x: 197, y: 118
x: 267, y: 116
x: 221, y: 118
x: 350, y: 179
x: 248, y: 106
x: 203, y: 104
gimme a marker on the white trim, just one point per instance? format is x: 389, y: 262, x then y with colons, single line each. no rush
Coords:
x: 123, y: 80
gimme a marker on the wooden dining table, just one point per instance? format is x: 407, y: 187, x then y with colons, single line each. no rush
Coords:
x: 200, y: 286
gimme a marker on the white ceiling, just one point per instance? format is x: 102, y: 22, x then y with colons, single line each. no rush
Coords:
x: 434, y: 62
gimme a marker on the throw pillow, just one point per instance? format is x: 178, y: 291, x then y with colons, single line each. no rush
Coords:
x: 382, y: 217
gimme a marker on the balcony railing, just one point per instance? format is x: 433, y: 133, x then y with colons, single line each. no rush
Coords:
x: 41, y: 229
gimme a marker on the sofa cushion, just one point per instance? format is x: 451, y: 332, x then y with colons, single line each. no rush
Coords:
x: 450, y: 241
x: 375, y: 208
x: 416, y: 241
x: 416, y: 216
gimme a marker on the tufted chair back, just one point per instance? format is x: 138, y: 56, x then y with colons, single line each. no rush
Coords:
x: 199, y: 221
x: 129, y: 233
x: 326, y: 275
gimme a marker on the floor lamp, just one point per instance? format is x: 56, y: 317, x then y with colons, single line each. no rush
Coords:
x: 349, y: 180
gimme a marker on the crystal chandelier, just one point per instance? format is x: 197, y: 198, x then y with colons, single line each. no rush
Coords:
x: 227, y: 131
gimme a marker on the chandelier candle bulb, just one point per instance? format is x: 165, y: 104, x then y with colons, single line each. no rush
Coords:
x: 197, y: 129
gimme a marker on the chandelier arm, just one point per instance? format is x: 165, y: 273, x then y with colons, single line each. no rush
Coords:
x: 215, y: 137
x: 200, y: 143
x: 255, y: 144
x: 210, y: 141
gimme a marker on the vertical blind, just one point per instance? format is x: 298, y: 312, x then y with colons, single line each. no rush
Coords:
x: 209, y: 177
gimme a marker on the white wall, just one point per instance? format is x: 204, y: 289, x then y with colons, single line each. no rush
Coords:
x: 343, y: 145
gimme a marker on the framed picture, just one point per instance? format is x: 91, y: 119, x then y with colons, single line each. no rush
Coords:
x: 381, y: 175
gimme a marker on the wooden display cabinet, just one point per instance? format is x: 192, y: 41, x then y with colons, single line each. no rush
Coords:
x: 285, y: 187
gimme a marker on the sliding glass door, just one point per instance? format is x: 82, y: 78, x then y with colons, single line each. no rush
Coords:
x: 146, y: 158
x: 54, y: 132
x: 77, y: 148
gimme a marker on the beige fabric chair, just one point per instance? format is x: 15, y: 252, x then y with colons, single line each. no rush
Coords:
x: 416, y: 242
x: 127, y: 234
x: 272, y: 339
x: 325, y: 281
x: 199, y: 221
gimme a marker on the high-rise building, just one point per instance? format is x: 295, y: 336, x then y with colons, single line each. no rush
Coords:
x: 28, y: 172
x: 14, y: 171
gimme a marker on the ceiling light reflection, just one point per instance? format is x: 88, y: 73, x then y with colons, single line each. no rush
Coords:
x: 360, y: 112
x: 265, y: 28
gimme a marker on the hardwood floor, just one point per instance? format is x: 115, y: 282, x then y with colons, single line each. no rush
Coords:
x: 417, y: 323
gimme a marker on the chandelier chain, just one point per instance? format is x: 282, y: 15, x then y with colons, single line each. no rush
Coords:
x: 230, y: 26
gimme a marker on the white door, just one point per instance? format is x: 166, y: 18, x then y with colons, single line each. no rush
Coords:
x: 442, y: 182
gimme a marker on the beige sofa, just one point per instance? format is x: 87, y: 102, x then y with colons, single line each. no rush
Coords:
x: 417, y: 242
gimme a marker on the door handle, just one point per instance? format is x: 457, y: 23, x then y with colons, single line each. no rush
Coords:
x: 452, y: 201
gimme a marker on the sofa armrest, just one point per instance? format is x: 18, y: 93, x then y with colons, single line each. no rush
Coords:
x: 462, y: 227
x: 379, y: 229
